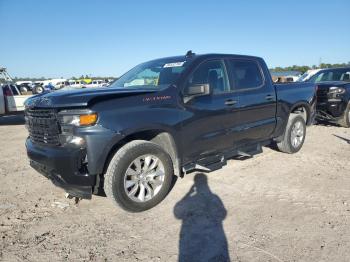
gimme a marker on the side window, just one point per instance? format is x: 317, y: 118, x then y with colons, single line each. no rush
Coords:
x: 346, y: 76
x: 212, y: 73
x: 14, y: 90
x: 246, y: 74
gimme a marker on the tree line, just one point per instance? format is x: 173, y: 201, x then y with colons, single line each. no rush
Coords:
x: 304, y: 68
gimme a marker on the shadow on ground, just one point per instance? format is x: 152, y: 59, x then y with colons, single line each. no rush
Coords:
x: 343, y: 138
x: 12, y: 120
x: 326, y: 124
x: 202, y: 237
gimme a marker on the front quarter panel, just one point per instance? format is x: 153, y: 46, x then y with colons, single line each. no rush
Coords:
x: 130, y: 115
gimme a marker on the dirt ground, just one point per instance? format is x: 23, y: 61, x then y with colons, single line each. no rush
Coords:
x: 273, y: 207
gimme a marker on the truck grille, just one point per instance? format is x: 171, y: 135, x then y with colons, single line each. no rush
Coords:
x: 43, y: 126
x: 322, y: 94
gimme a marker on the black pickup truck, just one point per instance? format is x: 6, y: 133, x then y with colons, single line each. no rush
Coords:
x: 333, y: 102
x: 161, y: 120
x: 333, y: 94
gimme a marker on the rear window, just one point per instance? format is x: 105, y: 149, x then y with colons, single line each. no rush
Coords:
x: 246, y: 74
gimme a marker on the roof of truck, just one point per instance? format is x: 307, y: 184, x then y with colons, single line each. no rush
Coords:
x: 205, y: 56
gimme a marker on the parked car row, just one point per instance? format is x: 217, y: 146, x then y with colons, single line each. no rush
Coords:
x: 39, y: 87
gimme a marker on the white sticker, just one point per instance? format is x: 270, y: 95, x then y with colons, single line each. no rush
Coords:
x: 177, y: 64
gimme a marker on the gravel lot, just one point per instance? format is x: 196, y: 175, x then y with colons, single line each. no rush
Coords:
x: 273, y: 207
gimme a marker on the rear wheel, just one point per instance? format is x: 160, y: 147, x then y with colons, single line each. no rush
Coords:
x: 294, y: 135
x: 139, y: 176
x: 345, y: 121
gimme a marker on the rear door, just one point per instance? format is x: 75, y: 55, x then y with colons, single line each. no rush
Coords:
x: 257, y: 100
x: 205, y: 131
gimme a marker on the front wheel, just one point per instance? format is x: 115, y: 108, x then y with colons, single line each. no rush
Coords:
x: 139, y: 176
x: 345, y: 120
x: 294, y: 135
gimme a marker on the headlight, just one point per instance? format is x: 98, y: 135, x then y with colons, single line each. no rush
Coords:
x: 77, y: 117
x: 336, y: 90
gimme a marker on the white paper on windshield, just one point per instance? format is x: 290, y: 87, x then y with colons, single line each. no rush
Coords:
x: 176, y: 64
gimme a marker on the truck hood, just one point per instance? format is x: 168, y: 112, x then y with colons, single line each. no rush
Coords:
x: 83, y: 97
x: 332, y: 83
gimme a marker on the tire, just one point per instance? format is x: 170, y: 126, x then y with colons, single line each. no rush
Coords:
x: 122, y: 163
x: 39, y: 90
x: 345, y: 120
x: 23, y: 89
x: 295, y: 129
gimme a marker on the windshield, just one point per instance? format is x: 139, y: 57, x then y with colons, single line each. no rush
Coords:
x: 152, y: 74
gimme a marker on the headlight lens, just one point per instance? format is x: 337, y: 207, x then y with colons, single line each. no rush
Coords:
x: 77, y: 117
x: 336, y: 90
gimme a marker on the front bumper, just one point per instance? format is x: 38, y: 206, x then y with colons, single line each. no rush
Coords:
x: 64, y: 166
x: 331, y: 109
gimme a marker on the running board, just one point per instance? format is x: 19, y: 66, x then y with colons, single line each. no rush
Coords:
x: 250, y: 152
x: 204, y: 167
x: 216, y: 162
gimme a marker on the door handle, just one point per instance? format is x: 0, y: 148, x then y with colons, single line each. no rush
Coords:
x: 230, y: 102
x: 269, y: 97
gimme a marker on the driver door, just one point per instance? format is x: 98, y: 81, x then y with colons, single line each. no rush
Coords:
x: 205, y: 131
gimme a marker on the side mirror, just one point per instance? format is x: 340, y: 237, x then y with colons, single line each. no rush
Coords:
x: 196, y: 90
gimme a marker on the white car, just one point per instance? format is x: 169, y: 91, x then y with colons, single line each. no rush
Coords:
x: 77, y: 83
x: 308, y: 74
x: 11, y: 100
x: 96, y: 83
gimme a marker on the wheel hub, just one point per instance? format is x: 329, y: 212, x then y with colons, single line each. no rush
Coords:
x: 297, y: 134
x: 144, y: 178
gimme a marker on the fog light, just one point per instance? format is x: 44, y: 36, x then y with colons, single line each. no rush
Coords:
x: 77, y: 141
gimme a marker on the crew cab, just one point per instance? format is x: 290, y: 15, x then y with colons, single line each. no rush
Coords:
x: 191, y: 113
x: 11, y: 99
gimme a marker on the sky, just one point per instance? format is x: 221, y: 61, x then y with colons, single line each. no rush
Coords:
x: 65, y: 38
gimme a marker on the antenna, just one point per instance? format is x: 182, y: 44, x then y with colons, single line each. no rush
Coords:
x: 190, y: 53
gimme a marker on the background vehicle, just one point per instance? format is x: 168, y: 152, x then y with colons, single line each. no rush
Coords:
x: 191, y: 113
x: 333, y: 102
x: 77, y: 83
x: 39, y: 88
x: 11, y: 99
x: 96, y: 83
x: 24, y: 86
x: 328, y: 74
x: 56, y: 83
x: 333, y: 94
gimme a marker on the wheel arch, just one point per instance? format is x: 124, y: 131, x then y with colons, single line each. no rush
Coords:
x: 160, y: 137
x: 304, y: 109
